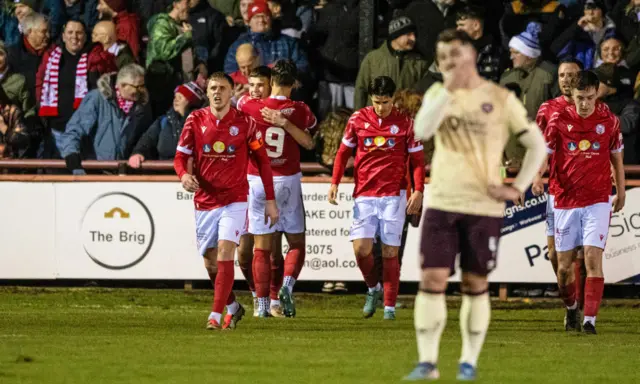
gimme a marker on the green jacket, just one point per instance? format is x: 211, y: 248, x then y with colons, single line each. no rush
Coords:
x: 165, y: 41
x: 535, y: 88
x: 406, y: 69
x: 227, y: 7
x: 14, y: 87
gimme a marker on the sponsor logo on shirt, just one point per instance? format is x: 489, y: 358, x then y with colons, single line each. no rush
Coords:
x: 599, y: 129
x: 584, y: 145
x: 595, y: 146
x: 218, y: 146
x: 206, y: 148
x: 394, y: 129
x: 487, y: 107
x: 391, y: 143
x: 231, y: 149
x: 368, y: 141
x: 572, y: 146
x: 379, y: 140
x: 233, y: 131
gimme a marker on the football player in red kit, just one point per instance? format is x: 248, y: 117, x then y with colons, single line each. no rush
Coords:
x: 220, y: 140
x: 383, y: 139
x: 567, y: 73
x: 585, y: 140
x: 285, y: 125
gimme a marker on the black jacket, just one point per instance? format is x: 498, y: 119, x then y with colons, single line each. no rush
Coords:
x: 336, y: 33
x: 492, y: 59
x: 26, y: 63
x: 628, y: 111
x: 207, y: 24
x: 160, y: 141
x: 430, y: 78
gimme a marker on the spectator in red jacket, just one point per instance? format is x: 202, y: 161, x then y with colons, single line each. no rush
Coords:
x: 127, y: 23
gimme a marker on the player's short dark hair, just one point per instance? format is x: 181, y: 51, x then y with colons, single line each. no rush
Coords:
x: 382, y: 86
x: 284, y: 73
x: 571, y: 60
x: 450, y: 35
x: 261, y: 71
x: 471, y: 12
x: 219, y: 76
x: 586, y: 80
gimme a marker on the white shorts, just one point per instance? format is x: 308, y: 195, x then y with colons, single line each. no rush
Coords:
x: 588, y: 226
x: 224, y: 223
x: 288, y: 190
x: 550, y: 201
x: 382, y: 216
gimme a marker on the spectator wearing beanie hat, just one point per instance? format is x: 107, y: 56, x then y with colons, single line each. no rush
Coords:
x: 533, y: 77
x: 127, y: 23
x: 270, y: 44
x: 395, y: 58
x: 23, y: 9
x: 161, y: 139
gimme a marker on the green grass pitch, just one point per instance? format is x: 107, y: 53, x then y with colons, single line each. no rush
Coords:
x: 157, y: 336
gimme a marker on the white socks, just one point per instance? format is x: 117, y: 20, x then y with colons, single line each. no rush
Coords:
x: 389, y: 309
x: 376, y: 288
x: 254, y: 294
x: 232, y: 308
x: 275, y: 302
x: 215, y: 316
x: 289, y: 282
x: 589, y: 319
x: 475, y: 314
x: 430, y: 318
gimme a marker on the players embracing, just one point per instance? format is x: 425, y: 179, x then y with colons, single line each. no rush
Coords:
x: 384, y: 143
x: 585, y: 140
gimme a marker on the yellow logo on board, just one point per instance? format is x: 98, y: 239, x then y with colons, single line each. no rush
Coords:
x: 218, y: 146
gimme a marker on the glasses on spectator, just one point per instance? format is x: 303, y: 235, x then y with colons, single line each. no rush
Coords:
x: 137, y: 87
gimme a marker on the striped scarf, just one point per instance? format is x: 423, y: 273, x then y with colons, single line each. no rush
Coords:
x: 125, y: 105
x: 49, y: 98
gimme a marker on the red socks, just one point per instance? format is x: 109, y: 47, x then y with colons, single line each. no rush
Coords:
x: 261, y: 271
x: 568, y: 293
x: 593, y: 290
x: 293, y: 262
x: 391, y: 280
x: 223, y: 285
x: 366, y: 265
x: 247, y: 272
x: 277, y: 274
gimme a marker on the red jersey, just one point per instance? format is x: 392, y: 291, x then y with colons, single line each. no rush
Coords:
x: 581, y: 149
x: 282, y: 148
x: 220, y: 151
x: 547, y: 109
x: 383, y: 147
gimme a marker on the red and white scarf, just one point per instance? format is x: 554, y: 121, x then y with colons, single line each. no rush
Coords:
x: 49, y: 98
x: 125, y: 105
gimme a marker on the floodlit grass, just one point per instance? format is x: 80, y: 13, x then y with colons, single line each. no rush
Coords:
x: 158, y: 336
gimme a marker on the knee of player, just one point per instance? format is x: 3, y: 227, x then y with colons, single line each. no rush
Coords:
x: 434, y: 279
x: 211, y: 266
x: 473, y: 284
x: 363, y: 250
x: 390, y: 252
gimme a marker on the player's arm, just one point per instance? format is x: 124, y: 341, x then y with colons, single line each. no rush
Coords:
x: 259, y: 154
x: 431, y: 112
x: 617, y: 148
x: 416, y: 161
x: 349, y: 142
x: 186, y: 144
x: 277, y: 118
x: 546, y: 127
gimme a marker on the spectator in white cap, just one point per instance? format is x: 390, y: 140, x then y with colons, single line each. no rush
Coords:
x: 531, y: 78
x: 159, y: 142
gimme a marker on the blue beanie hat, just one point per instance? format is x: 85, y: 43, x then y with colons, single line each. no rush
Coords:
x: 528, y: 42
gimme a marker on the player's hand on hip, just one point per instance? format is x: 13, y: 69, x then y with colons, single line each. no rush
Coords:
x: 415, y: 203
x: 537, y: 187
x: 274, y: 117
x: 333, y: 194
x: 271, y: 213
x: 189, y: 183
x: 136, y: 160
x: 504, y: 193
x: 618, y: 201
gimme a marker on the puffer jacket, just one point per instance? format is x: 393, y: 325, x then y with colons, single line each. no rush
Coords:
x: 100, y: 130
x: 160, y: 141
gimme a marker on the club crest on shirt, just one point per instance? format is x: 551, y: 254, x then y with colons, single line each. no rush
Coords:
x: 204, y: 128
x: 368, y: 141
x: 487, y: 107
x: 391, y: 142
x: 231, y: 149
x: 379, y: 140
x: 584, y: 145
x: 394, y: 129
x: 595, y: 146
x: 233, y: 131
x: 572, y: 146
x: 599, y: 129
x: 206, y: 148
x: 218, y: 146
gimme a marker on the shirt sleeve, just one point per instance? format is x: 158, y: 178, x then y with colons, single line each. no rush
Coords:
x: 349, y: 138
x: 616, y: 144
x: 413, y: 145
x: 310, y: 120
x: 551, y: 134
x: 541, y: 116
x: 186, y: 144
x: 255, y: 139
x: 518, y: 121
x: 241, y: 102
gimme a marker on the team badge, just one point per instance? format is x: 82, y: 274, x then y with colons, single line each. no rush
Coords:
x: 204, y: 128
x: 571, y: 146
x: 206, y: 148
x: 487, y: 107
x: 599, y: 129
x: 231, y: 148
x: 379, y: 140
x: 394, y: 129
x: 584, y: 145
x: 595, y: 146
x: 368, y: 141
x: 233, y: 131
x: 218, y: 146
x: 391, y: 142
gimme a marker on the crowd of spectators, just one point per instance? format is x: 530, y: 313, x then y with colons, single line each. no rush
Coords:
x: 115, y: 79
